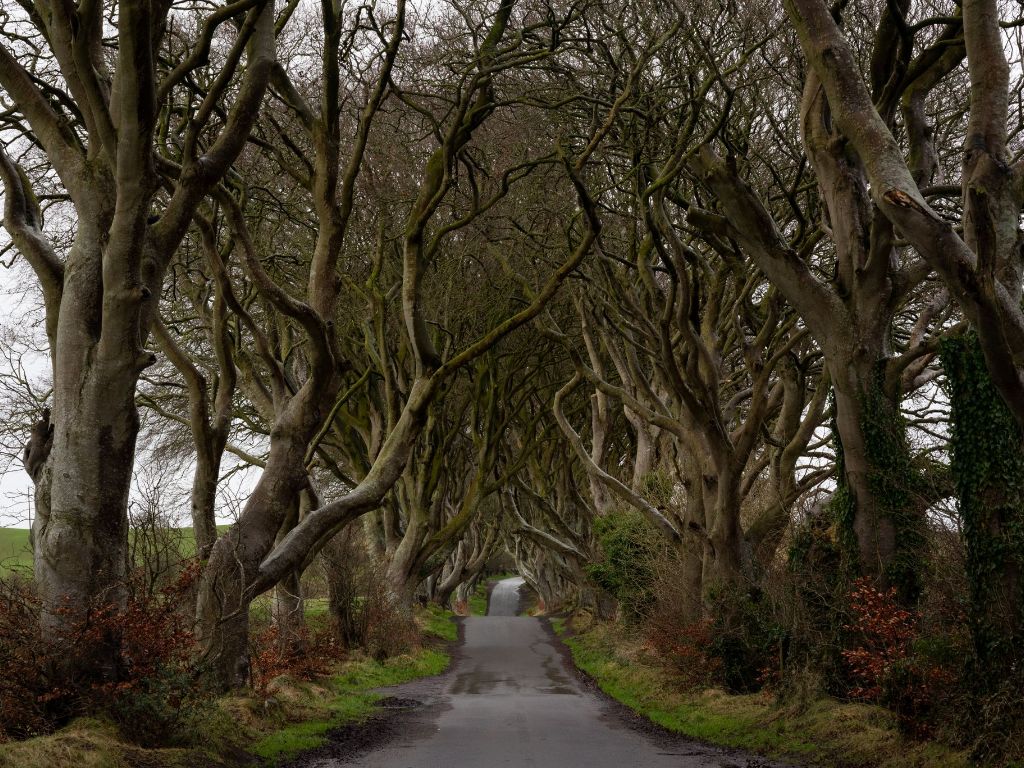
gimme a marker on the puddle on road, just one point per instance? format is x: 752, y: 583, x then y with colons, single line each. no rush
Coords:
x: 472, y: 683
x: 562, y: 684
x: 397, y: 702
x: 477, y: 682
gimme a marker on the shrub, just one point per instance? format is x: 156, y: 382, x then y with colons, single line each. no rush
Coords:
x: 684, y: 648
x: 23, y: 711
x: 811, y: 595
x: 884, y: 633
x: 362, y: 609
x: 307, y: 658
x: 629, y: 546
x: 674, y: 627
x: 998, y: 722
x: 891, y: 664
x: 747, y: 638
x: 135, y: 662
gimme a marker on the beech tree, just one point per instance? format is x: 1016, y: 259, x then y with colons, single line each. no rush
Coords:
x: 496, y: 277
x: 245, y: 561
x: 851, y: 309
x: 136, y: 146
x: 974, y: 249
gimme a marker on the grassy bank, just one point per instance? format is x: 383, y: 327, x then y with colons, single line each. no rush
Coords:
x: 294, y: 716
x: 344, y: 698
x: 478, y: 600
x: 819, y: 732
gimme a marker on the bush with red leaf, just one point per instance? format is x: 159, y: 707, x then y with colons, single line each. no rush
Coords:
x: 306, y: 657
x: 23, y: 710
x: 681, y: 643
x: 684, y: 648
x: 134, y: 661
x: 885, y: 666
x: 885, y: 633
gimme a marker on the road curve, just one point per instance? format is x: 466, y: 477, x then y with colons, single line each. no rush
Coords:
x: 504, y: 598
x: 511, y: 701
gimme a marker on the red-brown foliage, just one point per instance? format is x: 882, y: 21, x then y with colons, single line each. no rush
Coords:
x: 884, y: 667
x: 133, y: 661
x: 684, y: 648
x: 885, y: 632
x: 306, y: 657
x: 22, y: 657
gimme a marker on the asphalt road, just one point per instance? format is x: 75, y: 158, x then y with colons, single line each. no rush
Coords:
x: 504, y: 599
x: 510, y: 701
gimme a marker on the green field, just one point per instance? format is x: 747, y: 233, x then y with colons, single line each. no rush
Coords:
x: 14, y: 549
x: 15, y: 552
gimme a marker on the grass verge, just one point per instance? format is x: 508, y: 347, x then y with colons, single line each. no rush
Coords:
x: 294, y: 716
x: 437, y: 622
x: 478, y: 600
x: 347, y: 699
x: 823, y: 731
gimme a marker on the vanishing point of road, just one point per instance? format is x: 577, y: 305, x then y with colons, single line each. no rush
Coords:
x: 509, y: 700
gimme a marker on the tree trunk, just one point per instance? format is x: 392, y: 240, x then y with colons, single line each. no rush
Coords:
x: 399, y: 577
x: 692, y: 547
x: 723, y: 550
x: 462, y: 593
x: 988, y: 467
x: 80, y: 533
x: 881, y: 526
x: 204, y: 500
x: 223, y: 603
x: 289, y: 611
x: 455, y: 576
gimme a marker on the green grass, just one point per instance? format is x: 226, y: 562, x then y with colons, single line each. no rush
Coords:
x: 352, y: 700
x: 15, y: 552
x: 823, y: 731
x: 310, y: 734
x: 14, y: 549
x: 315, y: 607
x: 478, y: 600
x: 437, y: 622
x: 368, y: 674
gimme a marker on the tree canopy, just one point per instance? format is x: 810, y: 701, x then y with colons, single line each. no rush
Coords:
x: 521, y: 276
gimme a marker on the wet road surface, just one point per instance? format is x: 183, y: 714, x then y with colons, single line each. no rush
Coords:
x: 510, y: 701
x: 504, y: 599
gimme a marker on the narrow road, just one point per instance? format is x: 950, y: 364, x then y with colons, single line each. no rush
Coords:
x: 504, y: 599
x: 510, y: 701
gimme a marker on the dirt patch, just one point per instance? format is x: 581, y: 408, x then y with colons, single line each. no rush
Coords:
x: 349, y: 740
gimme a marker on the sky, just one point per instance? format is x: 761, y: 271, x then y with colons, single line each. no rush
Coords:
x: 20, y: 321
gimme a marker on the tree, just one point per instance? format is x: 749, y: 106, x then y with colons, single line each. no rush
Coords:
x: 136, y: 149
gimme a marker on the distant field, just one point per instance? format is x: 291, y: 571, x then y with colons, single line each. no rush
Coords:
x: 16, y: 553
x: 14, y: 549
